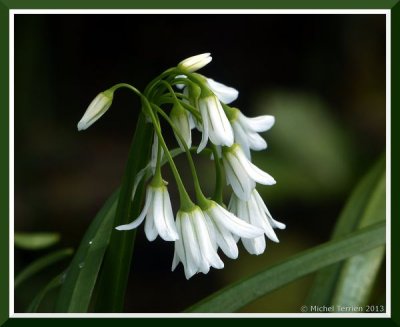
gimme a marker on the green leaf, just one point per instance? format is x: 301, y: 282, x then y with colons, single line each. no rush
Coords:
x: 81, y: 276
x: 41, y: 264
x: 35, y: 241
x: 113, y: 278
x: 326, y: 279
x: 249, y: 289
x: 54, y: 283
x: 358, y: 273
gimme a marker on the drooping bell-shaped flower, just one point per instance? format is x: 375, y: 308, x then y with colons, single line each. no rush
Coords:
x: 182, y: 120
x: 225, y: 227
x: 194, y: 248
x: 158, y: 213
x: 215, y: 124
x: 194, y: 63
x: 241, y: 173
x: 255, y: 212
x: 96, y: 109
x: 246, y: 130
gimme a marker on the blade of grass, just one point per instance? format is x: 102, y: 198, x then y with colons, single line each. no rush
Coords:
x: 41, y: 264
x: 326, y: 279
x: 81, y: 276
x: 110, y: 291
x: 243, y: 292
x: 35, y: 241
x: 358, y: 273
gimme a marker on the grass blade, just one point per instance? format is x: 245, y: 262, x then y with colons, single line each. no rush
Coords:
x: 358, y: 273
x: 110, y: 291
x: 35, y: 241
x: 41, y: 264
x: 249, y: 289
x: 77, y: 289
x: 325, y: 282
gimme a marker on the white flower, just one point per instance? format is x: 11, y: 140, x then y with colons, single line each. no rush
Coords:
x: 158, y: 213
x: 215, y: 125
x: 255, y: 212
x: 225, y: 227
x: 194, y: 63
x: 182, y: 120
x: 225, y: 94
x: 194, y: 247
x: 242, y: 174
x: 246, y: 131
x: 96, y: 109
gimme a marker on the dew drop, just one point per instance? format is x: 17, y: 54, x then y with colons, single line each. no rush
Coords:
x: 90, y: 242
x: 81, y: 265
x: 63, y: 277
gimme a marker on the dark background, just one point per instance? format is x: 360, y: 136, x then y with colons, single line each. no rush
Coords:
x: 321, y: 76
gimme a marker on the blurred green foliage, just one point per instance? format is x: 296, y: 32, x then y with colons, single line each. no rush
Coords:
x: 321, y: 76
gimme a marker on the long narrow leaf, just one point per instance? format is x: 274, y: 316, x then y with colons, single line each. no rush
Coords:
x: 245, y: 291
x: 41, y: 264
x: 358, y: 274
x: 326, y: 279
x: 115, y: 270
x: 76, y: 292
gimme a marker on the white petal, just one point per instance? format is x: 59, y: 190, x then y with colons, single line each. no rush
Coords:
x: 221, y: 132
x: 224, y: 93
x: 179, y: 248
x: 149, y: 226
x: 175, y: 261
x: 139, y: 220
x: 97, y: 108
x: 204, y: 136
x: 233, y: 224
x: 232, y: 206
x: 241, y: 138
x: 211, y: 257
x: 237, y: 176
x: 261, y: 204
x: 256, y: 142
x: 194, y: 63
x: 163, y: 213
x: 225, y: 240
x: 255, y: 245
x: 193, y: 254
x: 253, y: 171
x: 257, y: 124
x: 169, y: 216
x: 258, y: 218
x: 211, y: 230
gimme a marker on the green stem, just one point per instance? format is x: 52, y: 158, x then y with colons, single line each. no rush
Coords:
x: 219, y: 187
x: 148, y: 90
x: 190, y: 108
x: 125, y: 85
x: 186, y: 202
x: 201, y: 199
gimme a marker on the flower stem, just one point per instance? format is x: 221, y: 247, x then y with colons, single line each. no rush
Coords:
x: 201, y: 199
x: 186, y: 202
x: 219, y: 187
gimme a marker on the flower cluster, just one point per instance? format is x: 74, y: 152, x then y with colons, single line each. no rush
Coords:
x: 202, y: 227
